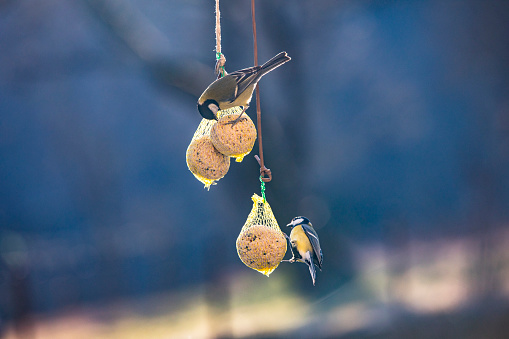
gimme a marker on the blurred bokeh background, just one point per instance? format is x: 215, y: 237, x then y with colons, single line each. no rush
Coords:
x: 389, y: 129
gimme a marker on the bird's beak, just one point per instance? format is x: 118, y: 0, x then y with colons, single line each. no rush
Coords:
x: 289, y: 225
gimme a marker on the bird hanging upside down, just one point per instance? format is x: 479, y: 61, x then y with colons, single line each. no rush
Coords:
x: 236, y: 88
x: 305, y: 245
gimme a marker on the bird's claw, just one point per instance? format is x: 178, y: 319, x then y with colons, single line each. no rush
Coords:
x: 234, y: 122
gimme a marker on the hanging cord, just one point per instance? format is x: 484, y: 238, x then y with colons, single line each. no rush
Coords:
x: 220, y: 59
x: 264, y: 171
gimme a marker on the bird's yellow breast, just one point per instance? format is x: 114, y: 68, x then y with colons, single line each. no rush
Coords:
x: 301, y: 240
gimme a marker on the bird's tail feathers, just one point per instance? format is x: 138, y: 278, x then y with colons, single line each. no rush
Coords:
x: 312, y: 270
x: 275, y: 62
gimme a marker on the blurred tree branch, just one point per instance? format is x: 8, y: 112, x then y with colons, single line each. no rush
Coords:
x: 152, y: 46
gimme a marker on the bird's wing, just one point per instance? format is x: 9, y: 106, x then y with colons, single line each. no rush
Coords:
x: 313, y: 239
x: 245, y: 78
x: 291, y: 247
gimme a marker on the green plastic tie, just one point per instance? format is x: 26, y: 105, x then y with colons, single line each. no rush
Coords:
x: 218, y: 57
x: 263, y: 189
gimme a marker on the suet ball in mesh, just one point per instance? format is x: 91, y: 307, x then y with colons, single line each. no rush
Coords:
x: 261, y: 248
x: 234, y: 140
x: 205, y: 161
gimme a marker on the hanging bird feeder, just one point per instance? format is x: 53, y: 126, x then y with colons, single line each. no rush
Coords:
x: 261, y: 245
x: 205, y: 155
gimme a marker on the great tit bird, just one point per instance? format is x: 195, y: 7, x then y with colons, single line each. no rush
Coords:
x: 236, y: 88
x: 305, y: 244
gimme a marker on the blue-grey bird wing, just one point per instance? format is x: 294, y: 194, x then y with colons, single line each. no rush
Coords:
x: 250, y: 76
x: 245, y: 78
x: 315, y: 243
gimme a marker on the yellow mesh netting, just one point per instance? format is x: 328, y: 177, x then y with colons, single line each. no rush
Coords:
x: 203, y: 132
x: 261, y: 245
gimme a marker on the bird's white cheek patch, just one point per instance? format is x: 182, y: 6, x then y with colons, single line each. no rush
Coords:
x: 213, y: 108
x: 297, y: 221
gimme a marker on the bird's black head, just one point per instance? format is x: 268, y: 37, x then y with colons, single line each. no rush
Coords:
x: 208, y: 109
x: 299, y: 221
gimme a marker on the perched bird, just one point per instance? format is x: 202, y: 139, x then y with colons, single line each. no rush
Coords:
x: 236, y: 88
x: 305, y: 244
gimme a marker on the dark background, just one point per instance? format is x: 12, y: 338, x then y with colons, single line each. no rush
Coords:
x: 389, y: 129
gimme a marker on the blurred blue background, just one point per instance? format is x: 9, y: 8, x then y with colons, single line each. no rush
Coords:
x: 389, y: 129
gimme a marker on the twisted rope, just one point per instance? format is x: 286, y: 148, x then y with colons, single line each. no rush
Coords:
x: 220, y: 59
